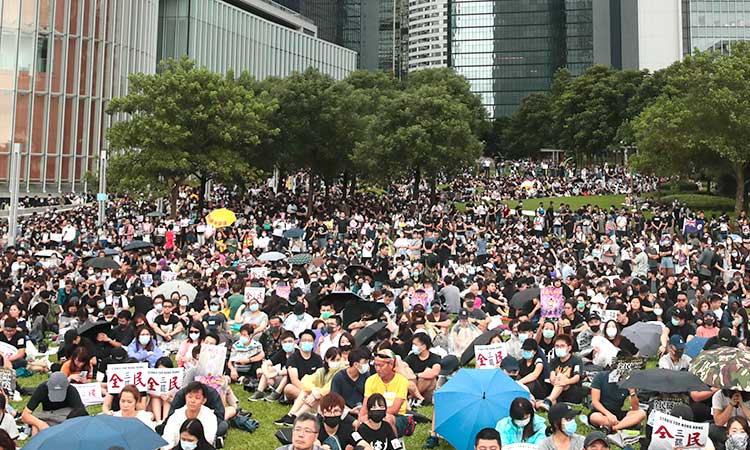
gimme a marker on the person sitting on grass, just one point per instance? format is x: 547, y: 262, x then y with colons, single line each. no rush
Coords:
x: 562, y: 421
x: 303, y: 362
x: 246, y: 354
x: 336, y: 431
x: 192, y: 437
x: 144, y: 348
x: 426, y: 368
x: 374, y: 429
x: 128, y: 402
x: 487, y: 439
x: 304, y: 433
x: 522, y: 426
x: 394, y: 388
x: 565, y: 374
x: 607, y: 405
x: 273, y: 372
x: 195, y: 408
x: 59, y: 400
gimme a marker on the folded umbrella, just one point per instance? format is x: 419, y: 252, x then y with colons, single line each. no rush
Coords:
x: 471, y: 400
x: 101, y: 263
x: 361, y: 309
x: 91, y: 329
x: 137, y: 245
x: 645, y: 336
x: 294, y: 233
x: 482, y: 339
x: 184, y: 288
x: 663, y: 380
x: 271, y: 256
x: 694, y: 346
x: 97, y: 432
x: 368, y: 333
x: 724, y: 367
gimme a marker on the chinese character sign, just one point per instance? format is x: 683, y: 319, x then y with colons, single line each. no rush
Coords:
x: 489, y: 356
x: 552, y: 302
x: 258, y: 273
x: 8, y: 380
x: 167, y: 276
x: 162, y: 381
x: 255, y: 293
x: 672, y: 432
x: 90, y: 393
x: 121, y: 375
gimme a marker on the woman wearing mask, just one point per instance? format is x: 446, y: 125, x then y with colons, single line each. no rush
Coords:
x: 737, y: 434
x: 192, y: 437
x: 532, y: 368
x: 613, y: 333
x: 314, y: 386
x: 196, y: 333
x: 144, y: 348
x: 709, y: 327
x: 563, y: 427
x: 522, y: 426
x: 659, y: 311
x: 375, y: 431
x: 545, y: 336
x: 739, y: 325
x: 250, y: 312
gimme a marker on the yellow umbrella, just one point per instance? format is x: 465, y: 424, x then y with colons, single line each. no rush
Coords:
x: 220, y: 218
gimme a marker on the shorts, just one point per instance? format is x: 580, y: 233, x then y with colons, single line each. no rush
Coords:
x: 619, y: 414
x: 574, y: 394
x: 667, y: 262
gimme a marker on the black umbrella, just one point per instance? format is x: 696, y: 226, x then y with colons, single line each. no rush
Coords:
x: 339, y: 300
x: 482, y: 339
x: 91, y: 329
x: 662, y: 380
x: 101, y: 263
x: 137, y: 245
x: 355, y: 270
x: 294, y: 233
x: 355, y: 311
x: 367, y: 334
x: 521, y: 299
x: 40, y: 306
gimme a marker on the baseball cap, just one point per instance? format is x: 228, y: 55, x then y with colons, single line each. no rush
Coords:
x: 595, y: 436
x: 509, y: 364
x: 593, y: 316
x: 679, y: 313
x: 561, y: 411
x: 463, y: 314
x: 677, y: 341
x: 725, y: 336
x: 448, y: 365
x: 57, y: 387
x: 215, y: 301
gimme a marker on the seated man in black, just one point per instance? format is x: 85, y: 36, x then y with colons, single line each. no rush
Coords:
x: 59, y: 400
x: 565, y: 374
x: 213, y: 402
x: 335, y: 429
x: 11, y: 335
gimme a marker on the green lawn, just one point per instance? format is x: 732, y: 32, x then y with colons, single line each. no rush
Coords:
x: 602, y: 201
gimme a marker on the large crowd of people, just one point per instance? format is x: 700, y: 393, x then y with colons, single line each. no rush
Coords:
x: 429, y: 278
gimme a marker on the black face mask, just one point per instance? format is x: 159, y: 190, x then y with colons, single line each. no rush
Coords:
x: 594, y: 328
x: 330, y: 329
x: 678, y: 353
x: 567, y: 330
x: 274, y: 329
x: 377, y: 415
x: 345, y: 348
x: 333, y: 421
x: 708, y: 322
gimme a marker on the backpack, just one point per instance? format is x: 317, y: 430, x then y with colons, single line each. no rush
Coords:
x: 245, y: 423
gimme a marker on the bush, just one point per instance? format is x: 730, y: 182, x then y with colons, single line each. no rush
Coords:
x: 678, y: 186
x: 701, y: 202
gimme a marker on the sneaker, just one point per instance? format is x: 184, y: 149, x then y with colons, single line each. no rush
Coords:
x: 286, y: 419
x: 630, y: 437
x: 431, y: 442
x: 258, y: 396
x: 617, y: 438
x: 272, y: 397
x: 23, y: 436
x: 416, y: 404
x: 219, y: 442
x: 410, y: 426
x: 546, y: 405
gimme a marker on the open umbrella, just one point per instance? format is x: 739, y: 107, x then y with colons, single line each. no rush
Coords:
x: 97, y: 432
x: 110, y: 252
x: 220, y: 218
x: 101, y: 263
x: 339, y: 299
x: 91, y: 329
x: 645, y: 336
x: 663, y: 380
x: 482, y: 339
x: 182, y: 287
x: 521, y: 299
x: 48, y: 254
x: 360, y: 309
x: 356, y: 270
x: 155, y: 214
x: 294, y: 233
x: 471, y: 400
x: 137, y: 245
x: 724, y: 367
x: 271, y: 256
x: 300, y: 259
x: 694, y: 346
x: 366, y: 334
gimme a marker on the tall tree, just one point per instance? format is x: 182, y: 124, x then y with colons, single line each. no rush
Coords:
x: 531, y: 128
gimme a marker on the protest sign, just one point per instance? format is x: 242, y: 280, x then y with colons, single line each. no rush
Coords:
x: 121, y: 375
x: 257, y: 273
x: 162, y: 381
x: 664, y: 404
x: 255, y: 293
x: 214, y: 381
x: 489, y: 356
x: 7, y: 350
x: 211, y: 360
x: 147, y: 279
x: 420, y: 298
x: 90, y: 393
x: 430, y: 294
x: 521, y: 446
x: 607, y: 315
x: 672, y: 432
x: 552, y: 302
x: 623, y: 367
x: 168, y: 276
x: 8, y: 380
x: 283, y: 291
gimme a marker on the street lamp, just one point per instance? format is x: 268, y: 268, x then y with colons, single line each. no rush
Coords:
x: 101, y: 196
x: 13, y: 181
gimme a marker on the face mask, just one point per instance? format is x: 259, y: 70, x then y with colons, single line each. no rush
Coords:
x: 244, y: 340
x: 195, y: 336
x: 708, y: 322
x: 548, y: 334
x: 300, y: 316
x: 254, y: 307
x: 561, y: 352
x: 330, y: 329
x: 274, y: 329
x: 333, y: 365
x: 376, y: 415
x: 522, y: 423
x: 187, y: 445
x: 183, y: 302
x: 675, y: 322
x: 345, y: 348
x: 415, y: 350
x: 364, y: 368
x: 214, y: 308
x: 326, y: 314
x: 658, y: 311
x: 611, y: 332
x: 101, y: 305
x: 306, y: 347
x: 144, y: 340
x: 332, y: 422
x: 527, y: 354
x: 287, y: 347
x: 522, y: 337
x: 158, y: 307
x: 90, y: 310
x: 581, y: 305
x: 570, y: 428
x: 594, y: 328
x: 737, y: 441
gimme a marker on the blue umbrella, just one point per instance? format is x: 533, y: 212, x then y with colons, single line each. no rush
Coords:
x: 471, y: 400
x: 294, y: 233
x: 695, y: 346
x: 97, y: 432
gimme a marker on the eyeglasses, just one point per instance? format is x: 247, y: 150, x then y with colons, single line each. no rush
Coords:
x: 301, y: 430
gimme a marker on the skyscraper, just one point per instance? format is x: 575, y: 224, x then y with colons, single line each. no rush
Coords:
x: 428, y: 34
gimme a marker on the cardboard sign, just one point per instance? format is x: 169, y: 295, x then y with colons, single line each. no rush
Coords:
x: 672, y: 432
x: 121, y: 375
x: 8, y: 380
x: 607, y: 315
x: 7, y: 350
x: 147, y: 279
x: 91, y: 393
x: 255, y: 293
x: 257, y: 273
x: 283, y: 291
x: 664, y: 404
x: 623, y: 367
x: 551, y: 302
x: 214, y: 381
x: 162, y: 381
x: 489, y: 356
x: 168, y: 276
x: 211, y: 360
x: 420, y: 298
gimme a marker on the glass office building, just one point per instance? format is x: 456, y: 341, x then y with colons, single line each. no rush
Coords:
x: 579, y: 35
x: 61, y: 61
x: 507, y: 49
x: 714, y: 24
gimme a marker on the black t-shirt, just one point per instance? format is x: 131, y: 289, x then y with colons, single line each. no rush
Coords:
x: 123, y: 335
x: 381, y: 439
x: 41, y: 395
x: 418, y: 366
x: 686, y: 330
x: 352, y: 391
x: 304, y: 366
x: 279, y: 358
x: 142, y: 304
x: 612, y: 396
x: 18, y: 340
x: 569, y: 368
x: 343, y: 434
x: 167, y: 325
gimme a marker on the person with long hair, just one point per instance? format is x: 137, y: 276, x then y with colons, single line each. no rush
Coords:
x: 78, y: 368
x: 196, y: 334
x: 129, y: 399
x: 192, y: 437
x: 738, y: 431
x: 6, y: 443
x: 144, y: 347
x: 522, y: 426
x: 562, y: 429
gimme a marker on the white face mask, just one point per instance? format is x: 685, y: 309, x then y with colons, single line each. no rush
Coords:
x: 187, y: 445
x: 611, y: 332
x: 522, y: 423
x: 364, y: 368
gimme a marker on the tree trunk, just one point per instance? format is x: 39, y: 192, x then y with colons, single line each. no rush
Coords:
x: 173, y: 201
x: 433, y: 191
x: 202, y: 195
x: 311, y: 191
x: 327, y: 185
x: 353, y: 186
x: 739, y: 197
x: 345, y: 185
x: 417, y: 182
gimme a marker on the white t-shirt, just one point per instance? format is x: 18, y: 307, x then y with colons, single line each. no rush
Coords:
x: 143, y: 416
x: 719, y: 402
x: 172, y: 429
x: 8, y: 424
x: 666, y: 362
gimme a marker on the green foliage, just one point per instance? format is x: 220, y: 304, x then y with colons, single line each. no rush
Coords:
x: 700, y: 201
x: 531, y: 127
x: 678, y: 186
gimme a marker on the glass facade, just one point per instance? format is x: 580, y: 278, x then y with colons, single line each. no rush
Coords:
x: 714, y: 24
x: 220, y: 37
x: 579, y: 35
x: 61, y: 61
x: 507, y: 49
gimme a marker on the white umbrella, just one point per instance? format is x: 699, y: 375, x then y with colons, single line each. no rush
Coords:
x: 271, y: 256
x: 182, y: 287
x: 48, y: 254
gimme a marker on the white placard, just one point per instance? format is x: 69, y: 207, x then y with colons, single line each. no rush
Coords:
x: 168, y: 276
x: 489, y: 356
x: 121, y: 375
x: 7, y: 350
x: 255, y: 293
x: 607, y: 315
x: 211, y: 360
x: 90, y: 393
x: 153, y: 381
x: 672, y: 432
x: 257, y: 273
x: 522, y: 446
x: 162, y: 381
